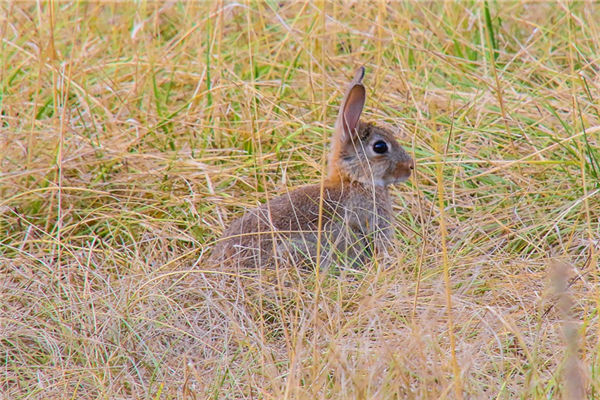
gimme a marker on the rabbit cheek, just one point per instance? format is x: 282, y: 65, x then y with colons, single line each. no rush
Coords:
x: 380, y: 173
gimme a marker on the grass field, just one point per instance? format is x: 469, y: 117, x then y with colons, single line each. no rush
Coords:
x: 131, y: 133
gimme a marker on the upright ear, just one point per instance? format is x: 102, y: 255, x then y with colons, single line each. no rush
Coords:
x: 353, y: 104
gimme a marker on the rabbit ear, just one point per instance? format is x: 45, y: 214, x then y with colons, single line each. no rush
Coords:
x: 359, y: 75
x: 353, y: 103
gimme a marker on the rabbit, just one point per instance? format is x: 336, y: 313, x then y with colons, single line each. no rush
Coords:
x: 356, y: 208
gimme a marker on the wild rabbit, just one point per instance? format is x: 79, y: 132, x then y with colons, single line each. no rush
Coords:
x: 356, y: 208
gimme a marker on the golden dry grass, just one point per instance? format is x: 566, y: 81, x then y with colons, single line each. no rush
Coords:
x: 131, y: 133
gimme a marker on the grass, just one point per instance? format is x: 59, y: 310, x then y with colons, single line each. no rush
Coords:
x: 132, y: 133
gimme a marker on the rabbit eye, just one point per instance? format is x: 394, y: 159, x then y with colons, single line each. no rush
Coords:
x: 380, y: 147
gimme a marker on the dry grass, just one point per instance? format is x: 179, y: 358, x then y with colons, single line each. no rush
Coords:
x: 131, y: 133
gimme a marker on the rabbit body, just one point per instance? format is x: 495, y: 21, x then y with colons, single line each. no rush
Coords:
x: 355, y: 220
x: 356, y: 208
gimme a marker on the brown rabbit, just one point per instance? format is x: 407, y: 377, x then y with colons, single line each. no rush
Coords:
x: 356, y: 209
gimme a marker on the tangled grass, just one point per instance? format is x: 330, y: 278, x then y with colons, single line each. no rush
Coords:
x: 131, y: 133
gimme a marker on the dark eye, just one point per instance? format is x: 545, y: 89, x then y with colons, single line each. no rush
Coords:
x: 380, y: 147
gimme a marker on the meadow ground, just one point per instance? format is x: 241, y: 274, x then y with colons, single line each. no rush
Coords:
x: 131, y: 133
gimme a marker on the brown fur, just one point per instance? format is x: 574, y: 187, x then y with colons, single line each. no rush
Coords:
x: 356, y: 212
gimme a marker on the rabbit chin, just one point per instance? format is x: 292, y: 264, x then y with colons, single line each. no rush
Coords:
x: 392, y: 180
x: 383, y: 182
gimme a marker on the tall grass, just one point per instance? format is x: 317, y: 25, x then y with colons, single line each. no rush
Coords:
x: 131, y: 133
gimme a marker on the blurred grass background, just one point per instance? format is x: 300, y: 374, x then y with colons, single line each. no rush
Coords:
x: 131, y: 133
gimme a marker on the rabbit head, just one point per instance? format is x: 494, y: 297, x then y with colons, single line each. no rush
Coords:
x: 362, y: 152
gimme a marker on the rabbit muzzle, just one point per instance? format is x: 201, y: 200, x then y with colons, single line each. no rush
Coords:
x: 403, y: 170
